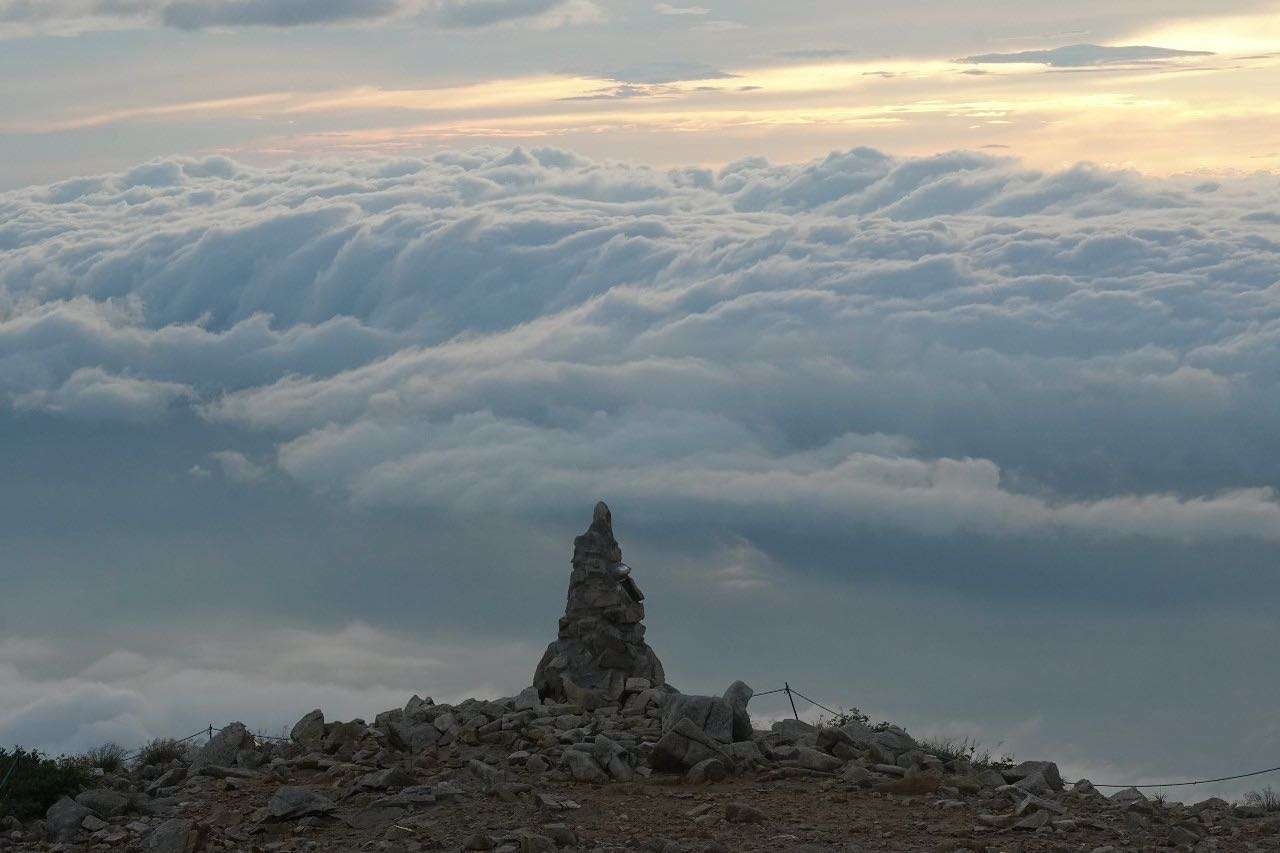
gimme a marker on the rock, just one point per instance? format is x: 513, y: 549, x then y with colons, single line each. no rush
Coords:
x: 486, y: 773
x: 1128, y: 795
x: 715, y: 716
x: 93, y: 823
x: 684, y: 746
x: 894, y: 739
x: 291, y: 802
x: 815, y: 760
x: 528, y: 699
x: 561, y: 834
x: 1047, y: 769
x: 380, y: 780
x: 861, y: 776
x: 745, y: 753
x: 309, y: 731
x: 613, y: 758
x: 709, y: 770
x: 345, y: 735
x: 1034, y: 821
x: 478, y: 841
x: 178, y: 835
x: 738, y: 695
x: 222, y: 748
x: 103, y: 802
x: 63, y: 819
x: 582, y: 766
x: 790, y: 731
x: 601, y: 637
x: 743, y: 813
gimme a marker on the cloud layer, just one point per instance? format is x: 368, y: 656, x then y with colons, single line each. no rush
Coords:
x: 942, y: 345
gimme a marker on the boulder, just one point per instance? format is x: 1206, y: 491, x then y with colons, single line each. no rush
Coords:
x: 582, y: 766
x: 528, y: 699
x: 738, y: 695
x: 813, y: 759
x: 223, y: 748
x: 177, y: 835
x: 103, y: 802
x: 309, y: 731
x: 1047, y: 769
x: 743, y: 813
x: 792, y: 731
x: 63, y: 819
x: 684, y: 746
x: 611, y: 756
x: 381, y: 780
x: 708, y: 770
x: 291, y: 802
x: 711, y: 714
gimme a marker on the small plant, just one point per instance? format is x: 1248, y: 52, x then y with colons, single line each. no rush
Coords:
x: 161, y: 751
x: 1266, y: 799
x: 951, y: 749
x: 109, y: 757
x: 35, y: 781
x: 844, y: 717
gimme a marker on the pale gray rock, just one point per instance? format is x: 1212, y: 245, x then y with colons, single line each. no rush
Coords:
x: 816, y: 760
x: 793, y: 731
x: 380, y: 780
x: 706, y: 771
x: 63, y: 819
x: 528, y: 699
x: 291, y: 802
x: 710, y: 713
x: 582, y: 766
x: 309, y: 731
x: 1047, y: 769
x: 738, y: 695
x: 178, y: 835
x: 684, y: 746
x: 223, y: 748
x: 103, y: 802
x: 1128, y: 795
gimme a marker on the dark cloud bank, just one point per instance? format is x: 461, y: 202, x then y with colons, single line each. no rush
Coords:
x: 990, y: 447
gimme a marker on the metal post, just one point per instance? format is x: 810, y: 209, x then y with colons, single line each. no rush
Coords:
x: 787, y: 688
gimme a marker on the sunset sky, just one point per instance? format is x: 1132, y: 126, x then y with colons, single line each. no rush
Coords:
x: 1162, y: 87
x: 928, y: 354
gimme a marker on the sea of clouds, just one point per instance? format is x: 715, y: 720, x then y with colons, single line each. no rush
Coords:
x: 858, y: 355
x: 949, y: 343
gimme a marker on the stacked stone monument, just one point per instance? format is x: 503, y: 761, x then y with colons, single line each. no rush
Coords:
x: 601, y: 640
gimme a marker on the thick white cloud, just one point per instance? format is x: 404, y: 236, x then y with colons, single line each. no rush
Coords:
x: 942, y: 345
x: 68, y: 699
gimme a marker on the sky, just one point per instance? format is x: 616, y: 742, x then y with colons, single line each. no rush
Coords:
x: 927, y: 358
x: 1163, y: 87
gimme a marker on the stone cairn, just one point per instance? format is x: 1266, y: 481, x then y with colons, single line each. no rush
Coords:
x: 601, y: 641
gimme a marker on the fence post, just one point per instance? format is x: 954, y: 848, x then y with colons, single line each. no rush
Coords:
x: 787, y: 687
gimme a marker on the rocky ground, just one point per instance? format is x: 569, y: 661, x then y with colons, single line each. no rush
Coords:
x: 655, y: 770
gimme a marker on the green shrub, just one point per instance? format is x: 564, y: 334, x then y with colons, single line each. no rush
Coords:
x: 36, y: 781
x: 162, y: 750
x: 109, y: 758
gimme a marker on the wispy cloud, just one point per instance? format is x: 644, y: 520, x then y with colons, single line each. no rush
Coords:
x: 1078, y: 55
